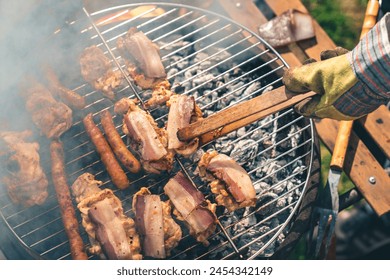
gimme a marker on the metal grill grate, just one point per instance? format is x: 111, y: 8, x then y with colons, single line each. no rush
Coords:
x: 221, y: 63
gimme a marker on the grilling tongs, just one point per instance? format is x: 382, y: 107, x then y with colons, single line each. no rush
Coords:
x: 242, y: 114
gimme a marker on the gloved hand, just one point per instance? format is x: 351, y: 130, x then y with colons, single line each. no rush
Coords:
x: 349, y: 84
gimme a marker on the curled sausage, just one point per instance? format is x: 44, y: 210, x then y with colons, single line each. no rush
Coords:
x: 107, y: 156
x: 119, y: 148
x: 68, y: 213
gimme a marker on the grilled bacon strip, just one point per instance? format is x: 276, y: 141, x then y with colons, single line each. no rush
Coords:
x: 68, y: 213
x: 228, y: 180
x: 191, y: 207
x: 107, y: 156
x: 147, y: 139
x: 158, y: 231
x: 110, y: 231
x: 142, y: 52
x: 182, y: 112
x: 118, y: 146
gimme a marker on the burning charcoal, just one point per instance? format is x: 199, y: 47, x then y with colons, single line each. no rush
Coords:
x: 261, y: 187
x: 251, y: 89
x: 224, y: 145
x: 247, y: 221
x: 279, y: 188
x: 203, y: 60
x: 236, y: 88
x: 266, y: 204
x: 245, y: 151
x: 266, y: 123
x: 171, y: 44
x: 179, y: 62
x: 172, y: 72
x: 205, y: 80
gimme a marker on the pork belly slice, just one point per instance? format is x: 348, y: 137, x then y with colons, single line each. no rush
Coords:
x: 191, y: 207
x: 110, y: 231
x: 147, y: 139
x: 182, y: 112
x: 142, y: 52
x: 229, y: 181
x: 24, y: 177
x: 159, y: 232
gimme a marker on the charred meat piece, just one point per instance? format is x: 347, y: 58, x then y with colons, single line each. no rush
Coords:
x: 160, y: 95
x: 24, y: 177
x: 114, y: 169
x: 147, y: 139
x: 228, y: 180
x: 111, y: 232
x: 182, y: 112
x: 66, y: 95
x: 53, y: 118
x: 97, y: 71
x: 68, y: 213
x: 159, y: 232
x: 143, y: 53
x: 191, y: 207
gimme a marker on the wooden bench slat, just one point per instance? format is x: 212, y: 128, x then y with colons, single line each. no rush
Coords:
x: 377, y: 125
x: 360, y: 165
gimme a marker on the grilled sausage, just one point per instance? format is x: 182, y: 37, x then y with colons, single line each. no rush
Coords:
x: 117, y: 145
x: 107, y: 156
x: 68, y: 213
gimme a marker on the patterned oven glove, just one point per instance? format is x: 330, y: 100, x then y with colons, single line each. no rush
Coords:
x: 349, y: 84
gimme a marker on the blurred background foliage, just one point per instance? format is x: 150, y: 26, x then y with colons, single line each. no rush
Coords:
x: 342, y: 20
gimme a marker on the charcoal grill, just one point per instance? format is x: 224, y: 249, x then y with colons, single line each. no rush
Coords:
x: 221, y: 63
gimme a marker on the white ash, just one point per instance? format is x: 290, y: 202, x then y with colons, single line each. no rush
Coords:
x: 244, y: 152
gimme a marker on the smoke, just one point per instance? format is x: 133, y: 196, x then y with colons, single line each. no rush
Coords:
x: 26, y: 40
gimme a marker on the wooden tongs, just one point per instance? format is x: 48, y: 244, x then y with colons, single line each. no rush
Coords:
x: 242, y: 114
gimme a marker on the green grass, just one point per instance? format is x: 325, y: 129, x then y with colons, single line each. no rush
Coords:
x: 337, y: 24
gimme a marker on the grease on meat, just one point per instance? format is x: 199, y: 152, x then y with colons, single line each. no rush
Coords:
x: 111, y: 232
x: 228, y: 180
x: 147, y: 139
x: 191, y: 207
x: 158, y: 231
x: 182, y: 112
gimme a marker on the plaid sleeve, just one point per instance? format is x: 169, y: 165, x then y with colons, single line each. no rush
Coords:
x: 370, y: 61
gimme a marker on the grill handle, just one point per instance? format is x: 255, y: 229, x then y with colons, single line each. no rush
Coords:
x: 242, y: 114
